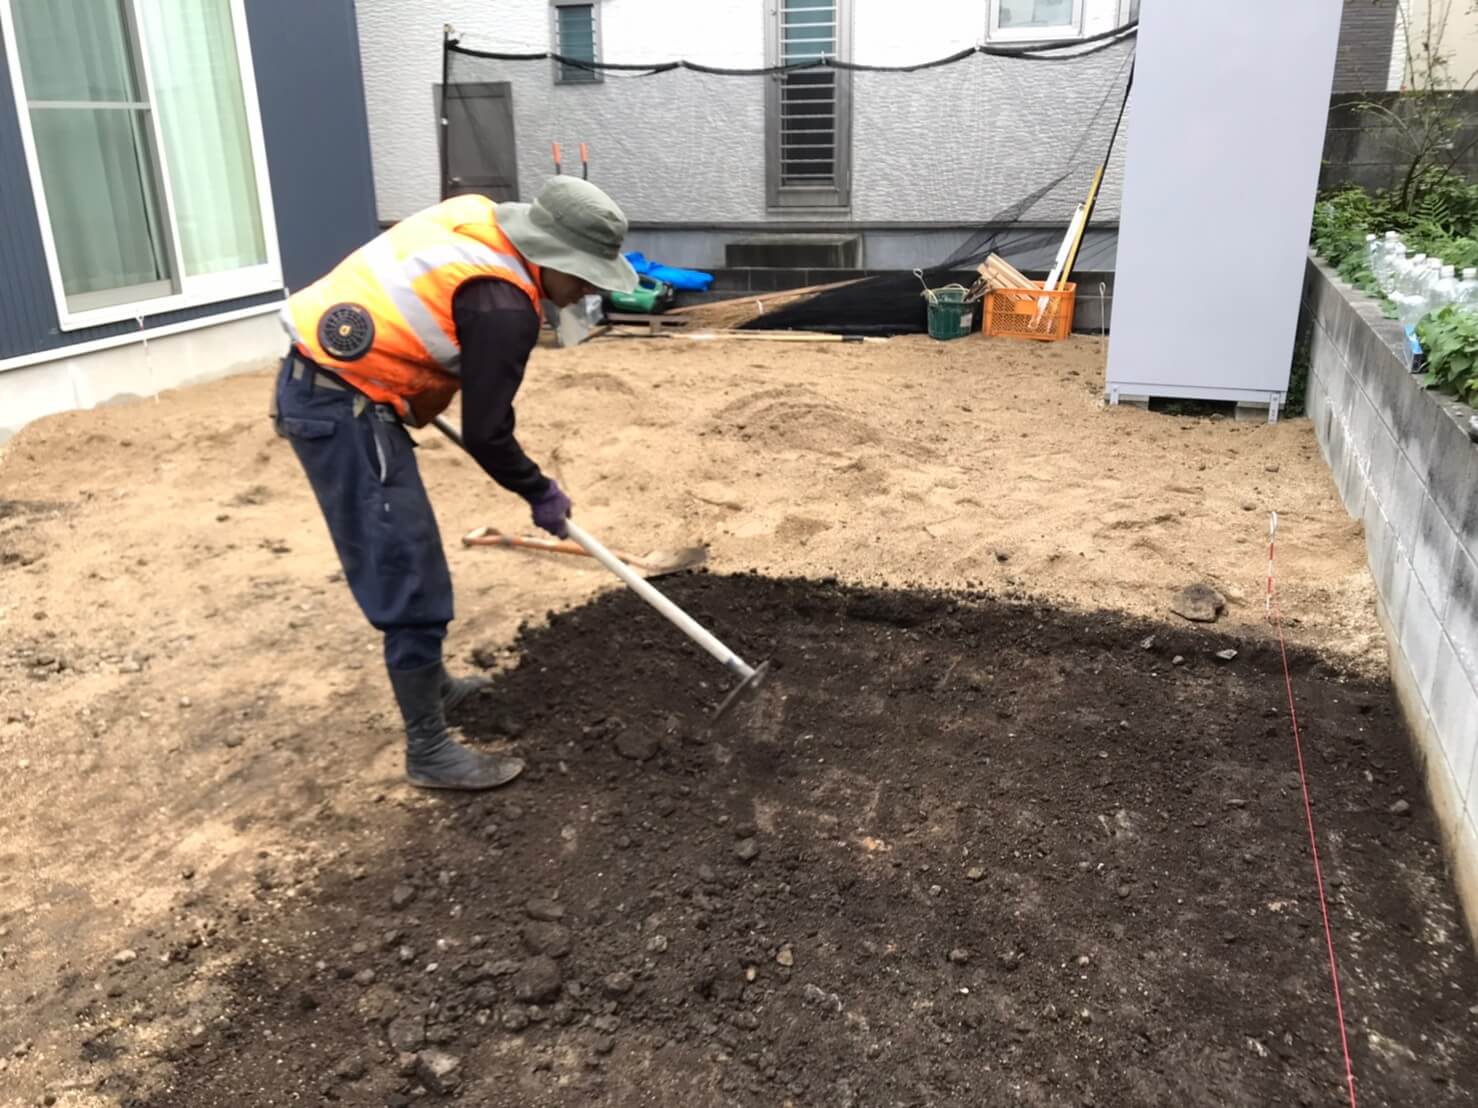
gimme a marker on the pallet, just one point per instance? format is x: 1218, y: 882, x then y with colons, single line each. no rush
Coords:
x: 655, y: 324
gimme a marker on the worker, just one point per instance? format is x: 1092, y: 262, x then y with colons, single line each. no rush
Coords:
x: 448, y: 298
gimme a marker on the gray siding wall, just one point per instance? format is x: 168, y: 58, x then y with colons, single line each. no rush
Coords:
x: 1367, y: 35
x: 307, y: 68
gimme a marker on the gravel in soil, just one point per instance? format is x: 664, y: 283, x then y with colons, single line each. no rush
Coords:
x: 958, y: 853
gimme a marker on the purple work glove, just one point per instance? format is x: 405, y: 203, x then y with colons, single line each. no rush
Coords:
x: 552, y: 509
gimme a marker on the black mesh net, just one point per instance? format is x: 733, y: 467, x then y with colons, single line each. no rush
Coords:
x: 1006, y: 141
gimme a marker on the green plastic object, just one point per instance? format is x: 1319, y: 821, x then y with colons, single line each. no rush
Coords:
x: 949, y: 316
x: 650, y: 296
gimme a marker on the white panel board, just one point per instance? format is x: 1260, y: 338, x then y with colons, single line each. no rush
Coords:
x: 1230, y: 105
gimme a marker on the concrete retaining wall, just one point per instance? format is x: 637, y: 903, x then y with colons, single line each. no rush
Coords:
x: 89, y: 377
x: 1404, y: 465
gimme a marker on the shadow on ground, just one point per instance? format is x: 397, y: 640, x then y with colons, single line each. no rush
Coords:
x: 962, y: 853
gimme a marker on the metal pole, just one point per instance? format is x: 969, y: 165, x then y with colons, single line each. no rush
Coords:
x: 446, y: 92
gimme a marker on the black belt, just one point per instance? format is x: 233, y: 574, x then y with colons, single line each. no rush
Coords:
x: 321, y: 378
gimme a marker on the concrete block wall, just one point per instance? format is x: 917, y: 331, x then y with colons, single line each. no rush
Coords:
x: 1404, y: 465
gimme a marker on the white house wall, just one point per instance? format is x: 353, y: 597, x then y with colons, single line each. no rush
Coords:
x: 957, y: 144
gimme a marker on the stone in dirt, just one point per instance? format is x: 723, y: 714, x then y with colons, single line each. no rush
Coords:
x: 819, y: 998
x: 546, y: 911
x: 515, y: 1019
x: 786, y: 956
x: 379, y: 1004
x: 1226, y: 655
x: 350, y: 1069
x: 1198, y: 603
x: 746, y: 850
x: 618, y: 984
x: 124, y: 957
x: 538, y: 981
x: 402, y: 897
x: 637, y: 746
x: 442, y: 1072
x: 407, y: 1034
x: 959, y: 956
x: 1400, y: 808
x: 547, y: 938
x: 974, y: 873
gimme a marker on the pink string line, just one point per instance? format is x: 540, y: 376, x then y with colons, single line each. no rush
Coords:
x: 1339, y: 1006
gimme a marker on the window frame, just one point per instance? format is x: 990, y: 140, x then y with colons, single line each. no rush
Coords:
x: 837, y: 195
x: 995, y: 33
x: 594, y: 77
x: 187, y: 292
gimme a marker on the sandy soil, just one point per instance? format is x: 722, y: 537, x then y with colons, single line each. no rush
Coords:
x: 188, y: 696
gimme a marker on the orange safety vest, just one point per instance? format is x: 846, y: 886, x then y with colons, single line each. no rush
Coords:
x: 382, y: 318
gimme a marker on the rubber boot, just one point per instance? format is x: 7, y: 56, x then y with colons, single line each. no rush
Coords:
x: 455, y: 690
x: 432, y: 759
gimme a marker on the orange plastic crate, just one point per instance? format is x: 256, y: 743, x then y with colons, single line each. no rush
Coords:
x: 1017, y: 313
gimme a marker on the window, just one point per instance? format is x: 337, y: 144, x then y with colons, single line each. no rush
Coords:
x: 809, y: 111
x: 1128, y: 12
x: 575, y: 37
x: 139, y: 121
x: 1035, y: 20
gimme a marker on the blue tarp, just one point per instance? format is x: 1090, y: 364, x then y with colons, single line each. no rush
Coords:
x: 686, y: 280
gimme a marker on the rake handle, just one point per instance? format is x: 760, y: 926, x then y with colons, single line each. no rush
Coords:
x: 675, y: 615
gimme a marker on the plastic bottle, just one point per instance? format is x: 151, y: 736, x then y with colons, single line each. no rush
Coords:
x: 1410, y: 272
x: 1432, y: 286
x: 1383, y: 254
x: 1391, y: 267
x: 1467, y: 289
x: 1444, y: 290
x: 1372, y: 252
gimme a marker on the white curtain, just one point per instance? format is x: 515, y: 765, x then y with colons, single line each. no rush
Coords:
x: 202, y: 116
x: 93, y: 149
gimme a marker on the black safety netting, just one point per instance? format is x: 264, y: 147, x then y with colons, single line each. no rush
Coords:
x: 989, y: 150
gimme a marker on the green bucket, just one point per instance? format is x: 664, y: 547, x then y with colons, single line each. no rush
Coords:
x: 949, y: 316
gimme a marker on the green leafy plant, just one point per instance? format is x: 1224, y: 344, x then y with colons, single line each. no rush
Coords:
x: 1450, y: 339
x: 1437, y: 215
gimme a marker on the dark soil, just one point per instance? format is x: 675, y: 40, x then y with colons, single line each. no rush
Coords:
x: 960, y: 853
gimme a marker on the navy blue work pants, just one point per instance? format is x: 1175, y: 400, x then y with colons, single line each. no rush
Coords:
x: 362, y: 466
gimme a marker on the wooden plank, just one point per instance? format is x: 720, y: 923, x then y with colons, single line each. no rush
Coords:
x: 763, y: 298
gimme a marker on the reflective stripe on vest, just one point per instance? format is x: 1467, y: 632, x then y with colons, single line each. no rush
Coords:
x: 472, y: 253
x: 380, y: 256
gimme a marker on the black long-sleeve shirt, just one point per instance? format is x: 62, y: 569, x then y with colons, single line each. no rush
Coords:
x: 497, y: 330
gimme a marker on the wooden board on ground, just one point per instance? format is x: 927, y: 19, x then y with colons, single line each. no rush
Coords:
x: 777, y: 336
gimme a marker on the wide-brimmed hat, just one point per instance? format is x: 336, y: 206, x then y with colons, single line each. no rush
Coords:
x: 573, y: 227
